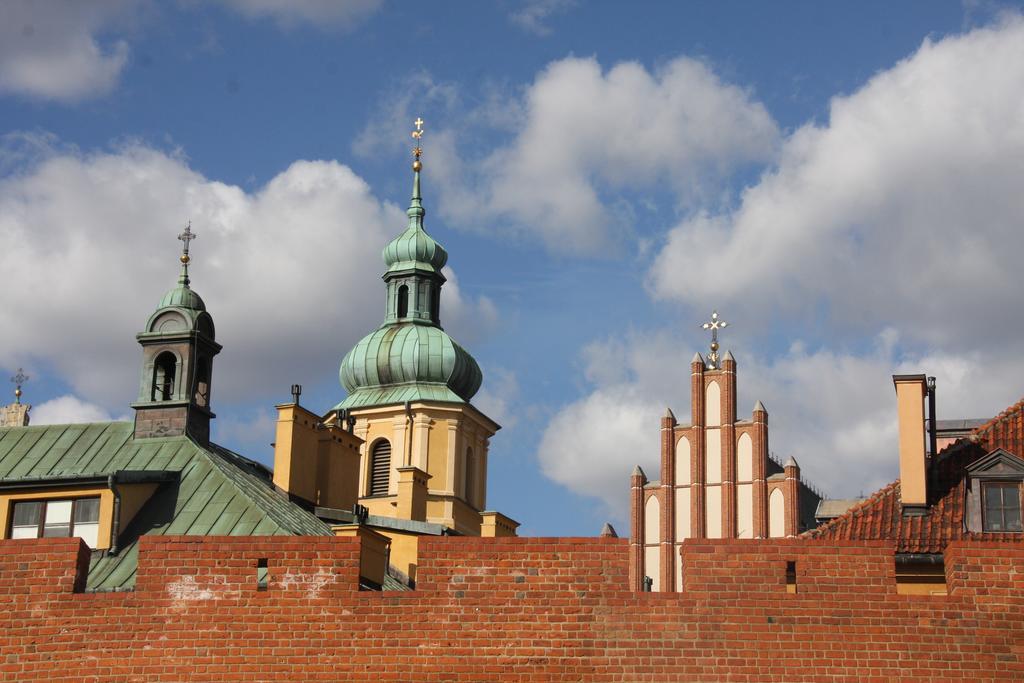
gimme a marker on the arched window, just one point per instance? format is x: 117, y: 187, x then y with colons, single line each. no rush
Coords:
x: 380, y: 467
x: 164, y: 369
x: 470, y: 476
x: 435, y: 305
x: 202, y: 395
x: 403, y: 301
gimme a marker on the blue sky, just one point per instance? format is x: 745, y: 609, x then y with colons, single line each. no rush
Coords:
x: 840, y: 180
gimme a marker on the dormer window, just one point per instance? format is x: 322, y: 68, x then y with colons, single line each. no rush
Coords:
x: 994, y: 491
x: 57, y: 519
x: 1001, y: 506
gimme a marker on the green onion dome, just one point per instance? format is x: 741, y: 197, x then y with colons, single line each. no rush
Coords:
x: 407, y: 362
x: 409, y: 357
x: 414, y: 248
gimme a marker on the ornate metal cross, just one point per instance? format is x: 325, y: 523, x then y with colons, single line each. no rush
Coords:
x: 714, y: 325
x: 187, y: 237
x: 18, y: 380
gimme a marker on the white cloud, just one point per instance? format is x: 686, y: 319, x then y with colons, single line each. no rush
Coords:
x: 287, y: 271
x: 582, y: 139
x: 834, y: 411
x: 53, y: 50
x: 533, y: 14
x: 253, y: 434
x: 498, y: 397
x: 325, y: 14
x: 903, y: 210
x: 465, y: 319
x: 67, y: 409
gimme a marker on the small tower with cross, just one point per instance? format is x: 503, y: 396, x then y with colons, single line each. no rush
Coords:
x: 178, y: 347
x: 16, y: 414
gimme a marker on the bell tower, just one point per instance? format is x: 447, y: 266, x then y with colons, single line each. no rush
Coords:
x: 178, y: 346
x: 409, y: 390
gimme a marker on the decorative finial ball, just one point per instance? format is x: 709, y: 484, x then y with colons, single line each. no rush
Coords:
x: 714, y: 346
x: 17, y: 392
x: 417, y: 166
x: 185, y: 258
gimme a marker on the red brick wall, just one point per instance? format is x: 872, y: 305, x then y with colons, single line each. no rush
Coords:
x: 519, y: 609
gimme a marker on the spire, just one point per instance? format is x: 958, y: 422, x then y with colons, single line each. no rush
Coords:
x: 416, y: 211
x: 185, y: 237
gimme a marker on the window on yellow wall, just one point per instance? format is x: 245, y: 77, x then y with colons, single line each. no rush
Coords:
x: 380, y: 467
x: 57, y: 519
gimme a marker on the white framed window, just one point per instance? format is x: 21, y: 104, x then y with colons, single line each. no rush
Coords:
x: 57, y: 518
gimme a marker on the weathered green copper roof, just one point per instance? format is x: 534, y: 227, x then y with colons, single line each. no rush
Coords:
x: 219, y: 492
x: 414, y: 249
x: 183, y: 296
x: 410, y: 358
x: 408, y: 362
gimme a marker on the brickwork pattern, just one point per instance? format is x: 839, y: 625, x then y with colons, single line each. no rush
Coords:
x: 508, y: 609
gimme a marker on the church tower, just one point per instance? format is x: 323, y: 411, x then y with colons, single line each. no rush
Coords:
x: 178, y: 347
x: 424, y: 452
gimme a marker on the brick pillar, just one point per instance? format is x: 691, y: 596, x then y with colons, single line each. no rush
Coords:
x: 698, y: 527
x: 792, y: 490
x: 668, y: 500
x: 728, y: 446
x: 759, y: 468
x: 636, y: 532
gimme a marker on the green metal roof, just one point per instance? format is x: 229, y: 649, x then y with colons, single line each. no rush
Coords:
x: 414, y: 249
x: 219, y: 492
x: 407, y: 362
x: 183, y: 297
x: 410, y: 359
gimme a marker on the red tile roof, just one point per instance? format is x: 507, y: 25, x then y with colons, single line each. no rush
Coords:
x: 880, y: 517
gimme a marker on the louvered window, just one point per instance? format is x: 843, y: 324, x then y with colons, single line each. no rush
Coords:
x: 380, y: 468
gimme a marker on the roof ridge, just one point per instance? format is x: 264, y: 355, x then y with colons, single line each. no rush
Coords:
x: 1017, y: 407
x: 852, y: 511
x: 66, y: 424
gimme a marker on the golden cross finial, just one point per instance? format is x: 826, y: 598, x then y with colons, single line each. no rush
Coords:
x: 18, y: 380
x: 714, y: 325
x: 186, y: 237
x: 417, y: 150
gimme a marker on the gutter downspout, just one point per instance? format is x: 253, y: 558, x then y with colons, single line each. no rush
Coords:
x: 115, y: 525
x: 408, y: 439
x: 932, y: 422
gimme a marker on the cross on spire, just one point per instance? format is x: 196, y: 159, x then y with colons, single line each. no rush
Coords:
x: 416, y: 135
x: 714, y: 325
x: 19, y: 379
x: 185, y: 237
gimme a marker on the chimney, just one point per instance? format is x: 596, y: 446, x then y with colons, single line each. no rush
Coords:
x: 911, y: 391
x: 315, y: 462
